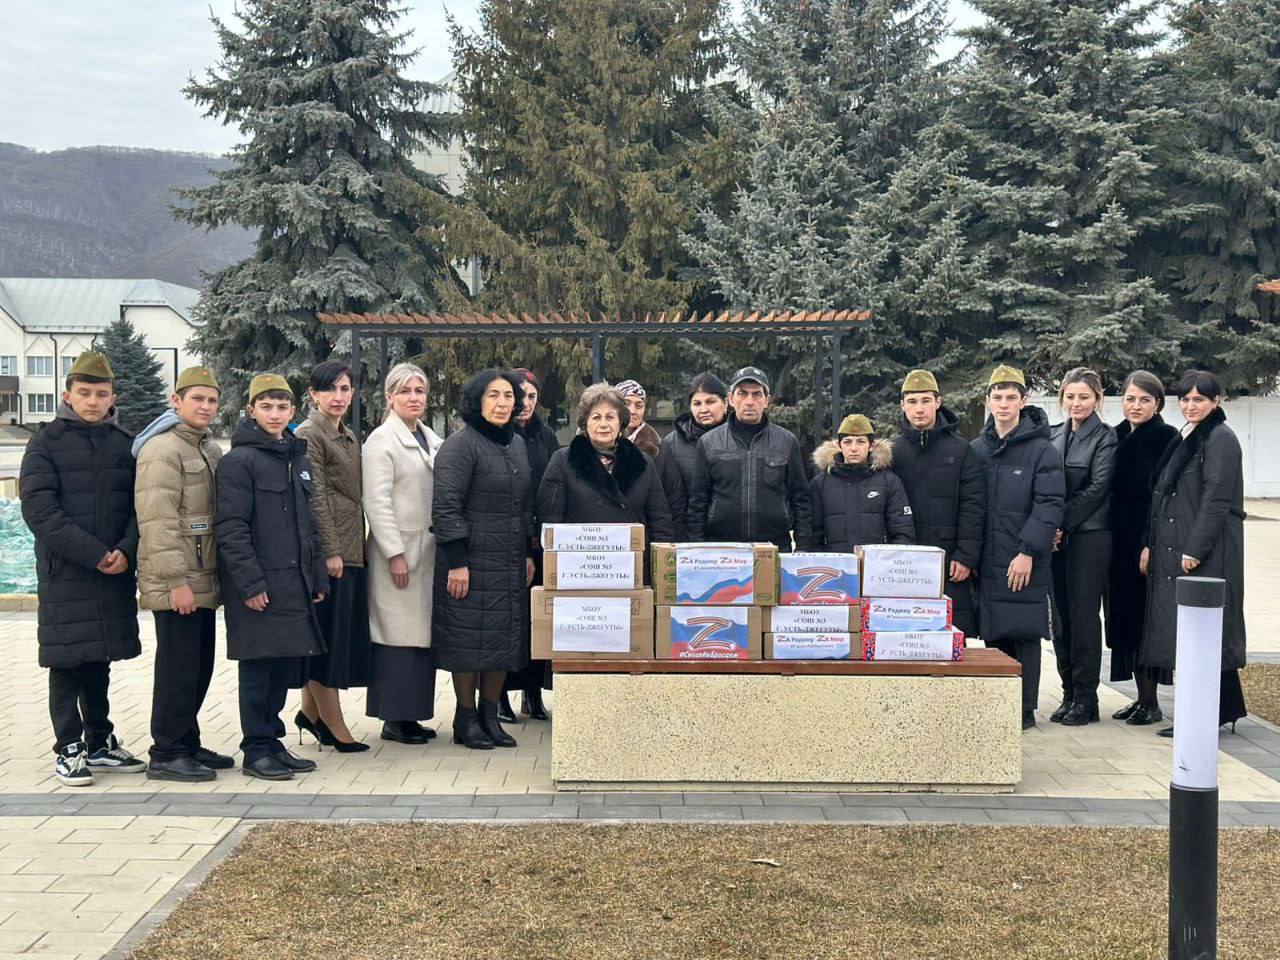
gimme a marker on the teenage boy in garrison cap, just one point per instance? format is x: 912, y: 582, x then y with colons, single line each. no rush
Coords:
x: 77, y: 498
x: 178, y: 572
x: 1026, y: 489
x: 272, y: 567
x: 856, y: 498
x: 944, y: 482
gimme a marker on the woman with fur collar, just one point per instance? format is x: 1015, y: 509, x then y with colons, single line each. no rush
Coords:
x: 602, y: 477
x: 856, y: 498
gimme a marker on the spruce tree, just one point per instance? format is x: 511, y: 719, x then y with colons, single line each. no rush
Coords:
x: 1223, y: 75
x: 839, y: 91
x: 140, y: 392
x: 1062, y: 148
x: 583, y: 128
x: 316, y: 88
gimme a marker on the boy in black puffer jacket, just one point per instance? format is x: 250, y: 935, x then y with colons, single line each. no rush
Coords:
x: 856, y: 498
x: 77, y: 498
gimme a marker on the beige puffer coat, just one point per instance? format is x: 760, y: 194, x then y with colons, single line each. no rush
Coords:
x: 173, y: 495
x: 335, y: 471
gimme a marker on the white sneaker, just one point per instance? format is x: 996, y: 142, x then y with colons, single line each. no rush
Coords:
x: 115, y: 758
x: 71, y: 766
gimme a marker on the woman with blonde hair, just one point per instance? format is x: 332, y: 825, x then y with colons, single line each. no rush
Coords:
x: 399, y: 472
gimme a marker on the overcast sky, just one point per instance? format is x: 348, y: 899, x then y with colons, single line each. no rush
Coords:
x: 82, y: 72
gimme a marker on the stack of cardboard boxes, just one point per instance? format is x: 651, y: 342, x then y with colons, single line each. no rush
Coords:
x: 711, y: 599
x: 592, y: 604
x: 819, y: 616
x: 905, y: 615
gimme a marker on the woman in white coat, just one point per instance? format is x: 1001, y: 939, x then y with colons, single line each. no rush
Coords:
x: 398, y: 467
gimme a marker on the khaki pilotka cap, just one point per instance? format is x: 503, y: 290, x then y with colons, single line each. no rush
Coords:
x: 196, y: 377
x: 855, y: 425
x: 90, y: 364
x: 1006, y: 374
x: 920, y: 381
x: 267, y: 381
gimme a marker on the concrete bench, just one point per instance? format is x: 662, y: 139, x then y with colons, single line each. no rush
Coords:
x: 789, y: 725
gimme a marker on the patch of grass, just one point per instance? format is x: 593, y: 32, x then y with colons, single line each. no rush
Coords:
x: 1261, y: 682
x: 610, y: 892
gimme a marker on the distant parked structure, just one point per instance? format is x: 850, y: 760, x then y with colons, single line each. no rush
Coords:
x: 45, y: 323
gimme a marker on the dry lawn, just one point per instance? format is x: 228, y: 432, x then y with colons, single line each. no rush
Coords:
x: 1261, y: 682
x: 620, y: 892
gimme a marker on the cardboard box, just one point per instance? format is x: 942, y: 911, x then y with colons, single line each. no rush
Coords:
x: 715, y: 574
x: 897, y: 614
x: 820, y: 618
x: 812, y: 578
x: 812, y: 646
x: 707, y: 633
x: 607, y: 625
x: 593, y: 570
x: 938, y: 645
x: 577, y: 537
x: 898, y: 570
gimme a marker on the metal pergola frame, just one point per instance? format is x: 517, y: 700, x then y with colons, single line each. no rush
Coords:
x: 822, y: 325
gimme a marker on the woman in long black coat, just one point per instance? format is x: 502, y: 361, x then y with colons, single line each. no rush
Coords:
x: 602, y: 477
x: 1141, y: 439
x: 1197, y: 528
x: 483, y: 519
x: 540, y: 442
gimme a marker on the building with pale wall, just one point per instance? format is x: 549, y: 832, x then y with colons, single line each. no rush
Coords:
x: 46, y: 322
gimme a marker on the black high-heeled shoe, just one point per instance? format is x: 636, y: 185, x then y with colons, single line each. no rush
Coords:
x: 505, y: 713
x: 531, y: 705
x: 303, y: 722
x: 325, y: 735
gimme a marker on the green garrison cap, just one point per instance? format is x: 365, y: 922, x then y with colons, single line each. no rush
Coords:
x: 196, y: 377
x: 90, y: 364
x: 1007, y: 374
x: 268, y: 381
x: 855, y: 425
x: 920, y: 381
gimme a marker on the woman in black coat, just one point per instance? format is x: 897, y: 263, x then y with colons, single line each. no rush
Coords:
x: 602, y: 477
x: 1196, y: 527
x: 540, y: 442
x: 1082, y: 544
x: 856, y: 497
x: 708, y: 407
x: 1141, y: 440
x: 483, y: 521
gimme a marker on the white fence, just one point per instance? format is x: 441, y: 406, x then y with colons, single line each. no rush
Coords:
x: 1255, y: 420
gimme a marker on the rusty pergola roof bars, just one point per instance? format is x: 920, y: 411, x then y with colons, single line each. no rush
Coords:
x: 820, y: 324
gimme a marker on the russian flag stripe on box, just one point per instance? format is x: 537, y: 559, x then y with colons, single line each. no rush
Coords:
x: 818, y: 578
x: 710, y: 633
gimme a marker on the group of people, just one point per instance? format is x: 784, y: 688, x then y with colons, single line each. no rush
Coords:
x: 345, y: 565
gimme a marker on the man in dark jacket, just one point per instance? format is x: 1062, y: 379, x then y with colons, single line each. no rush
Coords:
x: 944, y: 483
x: 271, y: 564
x: 856, y: 498
x: 708, y: 406
x: 1025, y: 493
x: 77, y: 497
x: 749, y: 483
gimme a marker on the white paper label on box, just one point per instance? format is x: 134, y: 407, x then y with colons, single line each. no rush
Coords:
x: 814, y: 619
x: 715, y: 575
x: 596, y: 570
x: 565, y: 537
x: 893, y: 571
x: 591, y: 624
x: 812, y: 646
x: 914, y: 646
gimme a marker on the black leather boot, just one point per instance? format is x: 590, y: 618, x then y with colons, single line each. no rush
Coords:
x: 1062, y: 711
x: 467, y: 730
x: 492, y: 728
x: 1080, y: 714
x: 505, y: 713
x: 531, y: 705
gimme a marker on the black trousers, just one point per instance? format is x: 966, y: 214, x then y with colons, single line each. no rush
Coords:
x: 1080, y: 571
x: 264, y: 687
x: 184, y: 667
x: 78, y: 705
x: 1027, y: 653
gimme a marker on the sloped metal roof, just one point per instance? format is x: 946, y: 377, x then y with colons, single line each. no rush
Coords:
x: 76, y: 304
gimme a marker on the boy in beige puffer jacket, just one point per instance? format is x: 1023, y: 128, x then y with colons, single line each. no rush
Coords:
x: 178, y: 573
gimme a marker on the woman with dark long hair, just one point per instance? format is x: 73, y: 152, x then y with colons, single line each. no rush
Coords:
x: 483, y: 518
x: 1196, y: 528
x: 1141, y: 440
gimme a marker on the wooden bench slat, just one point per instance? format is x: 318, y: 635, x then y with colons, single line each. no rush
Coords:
x: 978, y: 662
